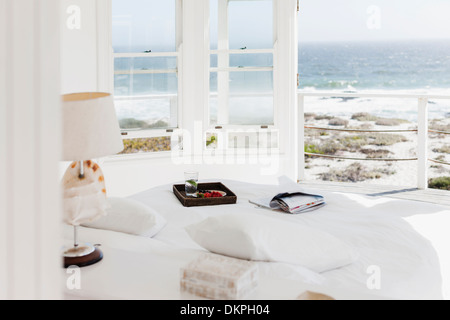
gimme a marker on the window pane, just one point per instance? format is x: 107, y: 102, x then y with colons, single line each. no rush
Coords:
x: 146, y: 145
x: 251, y: 82
x: 243, y: 97
x: 144, y: 25
x: 251, y: 60
x: 214, y: 61
x: 145, y: 84
x: 251, y: 110
x: 145, y: 88
x: 250, y: 98
x: 213, y: 23
x: 246, y: 60
x: 250, y: 24
x: 146, y: 101
x: 142, y: 64
x: 146, y: 113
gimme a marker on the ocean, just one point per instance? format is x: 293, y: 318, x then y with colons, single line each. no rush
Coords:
x: 404, y: 67
x: 416, y: 65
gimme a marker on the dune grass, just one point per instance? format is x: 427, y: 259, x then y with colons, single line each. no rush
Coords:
x: 356, y: 172
x: 146, y: 145
x: 441, y: 183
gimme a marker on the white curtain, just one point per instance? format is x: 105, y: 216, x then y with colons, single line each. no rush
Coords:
x: 30, y: 262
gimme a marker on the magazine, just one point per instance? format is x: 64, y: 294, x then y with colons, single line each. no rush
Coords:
x: 292, y: 202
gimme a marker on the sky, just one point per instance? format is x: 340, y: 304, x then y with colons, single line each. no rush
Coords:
x: 373, y: 20
x: 138, y: 22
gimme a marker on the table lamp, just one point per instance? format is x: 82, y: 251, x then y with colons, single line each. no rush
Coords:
x: 90, y: 131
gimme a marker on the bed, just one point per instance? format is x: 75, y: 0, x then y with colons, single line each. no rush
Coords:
x: 403, y: 245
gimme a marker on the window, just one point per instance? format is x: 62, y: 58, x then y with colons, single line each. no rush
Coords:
x: 242, y: 70
x: 243, y: 107
x: 146, y: 78
x: 241, y: 83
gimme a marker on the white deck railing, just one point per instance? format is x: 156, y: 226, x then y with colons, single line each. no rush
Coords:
x: 422, y: 130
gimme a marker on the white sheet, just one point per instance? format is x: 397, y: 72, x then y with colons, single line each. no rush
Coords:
x: 407, y: 241
x: 140, y: 268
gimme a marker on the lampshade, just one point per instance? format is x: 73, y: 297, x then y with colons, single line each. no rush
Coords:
x: 91, y: 129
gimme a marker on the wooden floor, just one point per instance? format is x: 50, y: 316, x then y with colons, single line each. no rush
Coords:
x: 440, y: 197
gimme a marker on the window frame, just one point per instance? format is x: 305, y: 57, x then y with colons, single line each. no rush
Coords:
x: 193, y: 98
x: 223, y: 70
x: 175, y: 108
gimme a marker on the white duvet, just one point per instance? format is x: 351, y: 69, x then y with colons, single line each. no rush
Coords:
x: 403, y: 246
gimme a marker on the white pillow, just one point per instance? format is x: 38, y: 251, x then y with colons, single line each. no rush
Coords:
x: 254, y: 237
x: 131, y: 217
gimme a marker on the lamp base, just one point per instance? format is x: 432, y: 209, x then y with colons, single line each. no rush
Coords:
x: 83, y: 256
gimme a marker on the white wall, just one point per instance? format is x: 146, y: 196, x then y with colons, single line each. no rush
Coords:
x: 30, y: 258
x: 78, y: 46
x: 125, y: 178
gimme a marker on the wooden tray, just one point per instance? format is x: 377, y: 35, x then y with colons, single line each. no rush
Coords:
x: 230, y: 198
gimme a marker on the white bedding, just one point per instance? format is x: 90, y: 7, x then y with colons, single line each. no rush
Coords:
x: 406, y: 241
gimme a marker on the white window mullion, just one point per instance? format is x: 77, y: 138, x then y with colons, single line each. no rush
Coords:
x: 241, y: 69
x: 173, y: 121
x: 105, y: 52
x: 195, y: 82
x: 156, y: 71
x: 286, y: 66
x: 179, y: 46
x: 276, y: 108
x: 223, y: 77
x: 145, y: 54
x: 243, y: 51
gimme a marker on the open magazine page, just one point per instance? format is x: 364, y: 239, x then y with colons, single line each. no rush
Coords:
x: 294, y: 202
x: 266, y: 203
x: 299, y: 202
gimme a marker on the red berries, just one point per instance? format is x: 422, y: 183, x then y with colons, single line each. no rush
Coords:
x: 210, y: 194
x: 215, y: 194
